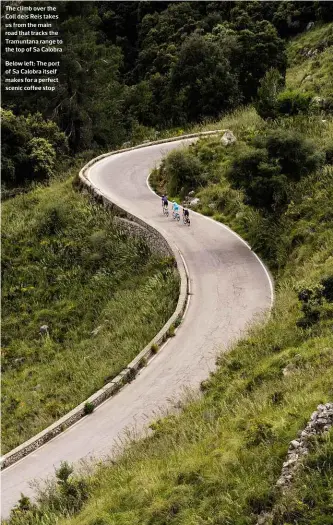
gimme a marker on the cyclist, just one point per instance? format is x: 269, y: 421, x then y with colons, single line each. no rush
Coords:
x: 175, y: 209
x: 186, y: 215
x: 164, y: 201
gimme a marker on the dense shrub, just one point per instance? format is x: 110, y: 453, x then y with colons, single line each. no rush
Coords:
x: 184, y: 172
x: 293, y: 102
x: 295, y: 155
x: 260, y: 178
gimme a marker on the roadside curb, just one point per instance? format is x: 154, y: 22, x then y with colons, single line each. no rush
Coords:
x: 129, y: 373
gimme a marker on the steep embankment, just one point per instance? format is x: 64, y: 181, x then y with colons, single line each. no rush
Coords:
x: 102, y: 295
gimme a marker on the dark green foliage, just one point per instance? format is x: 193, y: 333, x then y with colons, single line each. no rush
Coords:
x: 88, y: 408
x: 30, y: 147
x: 185, y: 172
x: 202, y: 80
x: 259, y: 44
x: 296, y: 156
x: 128, y: 67
x: 327, y: 292
x: 264, y: 174
x: 312, y: 300
x: 260, y: 177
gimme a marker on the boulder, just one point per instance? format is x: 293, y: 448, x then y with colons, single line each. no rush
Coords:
x: 309, y: 26
x: 228, y: 138
x: 194, y: 202
x: 44, y: 329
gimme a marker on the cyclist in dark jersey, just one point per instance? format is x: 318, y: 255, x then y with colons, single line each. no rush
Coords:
x: 186, y: 214
x: 165, y: 201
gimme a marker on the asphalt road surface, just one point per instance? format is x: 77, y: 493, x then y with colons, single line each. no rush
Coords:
x: 230, y: 289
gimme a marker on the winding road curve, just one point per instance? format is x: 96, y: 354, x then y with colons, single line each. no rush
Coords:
x: 229, y: 288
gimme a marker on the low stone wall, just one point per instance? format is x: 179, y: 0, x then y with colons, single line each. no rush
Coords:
x: 157, y: 242
x: 320, y: 421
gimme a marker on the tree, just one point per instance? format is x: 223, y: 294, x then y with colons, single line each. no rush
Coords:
x: 202, y: 79
x: 183, y: 171
x: 260, y: 49
x: 270, y: 85
x: 29, y: 148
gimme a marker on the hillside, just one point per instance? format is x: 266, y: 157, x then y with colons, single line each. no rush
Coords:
x: 218, y: 461
x: 310, y: 58
x: 103, y: 296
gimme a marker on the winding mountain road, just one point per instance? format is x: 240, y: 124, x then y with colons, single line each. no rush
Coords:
x: 230, y: 288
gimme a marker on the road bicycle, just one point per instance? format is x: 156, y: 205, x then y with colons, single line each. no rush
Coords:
x: 186, y: 220
x: 176, y: 216
x: 165, y: 211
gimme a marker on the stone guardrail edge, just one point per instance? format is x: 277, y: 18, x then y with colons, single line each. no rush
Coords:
x: 142, y: 359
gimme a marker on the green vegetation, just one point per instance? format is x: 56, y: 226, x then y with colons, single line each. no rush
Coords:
x: 103, y: 296
x: 217, y: 462
x: 310, y: 498
x: 130, y: 71
x: 31, y: 148
x: 311, y: 64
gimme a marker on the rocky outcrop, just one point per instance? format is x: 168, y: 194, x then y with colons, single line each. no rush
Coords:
x: 320, y: 421
x: 228, y: 138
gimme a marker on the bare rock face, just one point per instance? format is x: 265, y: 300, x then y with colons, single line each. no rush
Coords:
x: 228, y: 138
x: 309, y: 26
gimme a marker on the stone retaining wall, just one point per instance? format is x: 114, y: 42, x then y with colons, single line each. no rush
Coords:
x: 157, y: 242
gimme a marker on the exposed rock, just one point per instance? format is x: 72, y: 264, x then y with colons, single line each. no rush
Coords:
x: 212, y: 205
x: 44, y: 329
x: 320, y: 421
x: 308, y: 77
x: 228, y: 138
x: 96, y: 330
x: 191, y: 193
x: 194, y: 202
x: 289, y: 369
x: 309, y: 26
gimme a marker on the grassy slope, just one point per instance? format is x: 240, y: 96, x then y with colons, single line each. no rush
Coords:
x: 218, y: 461
x: 312, y: 73
x: 64, y: 265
